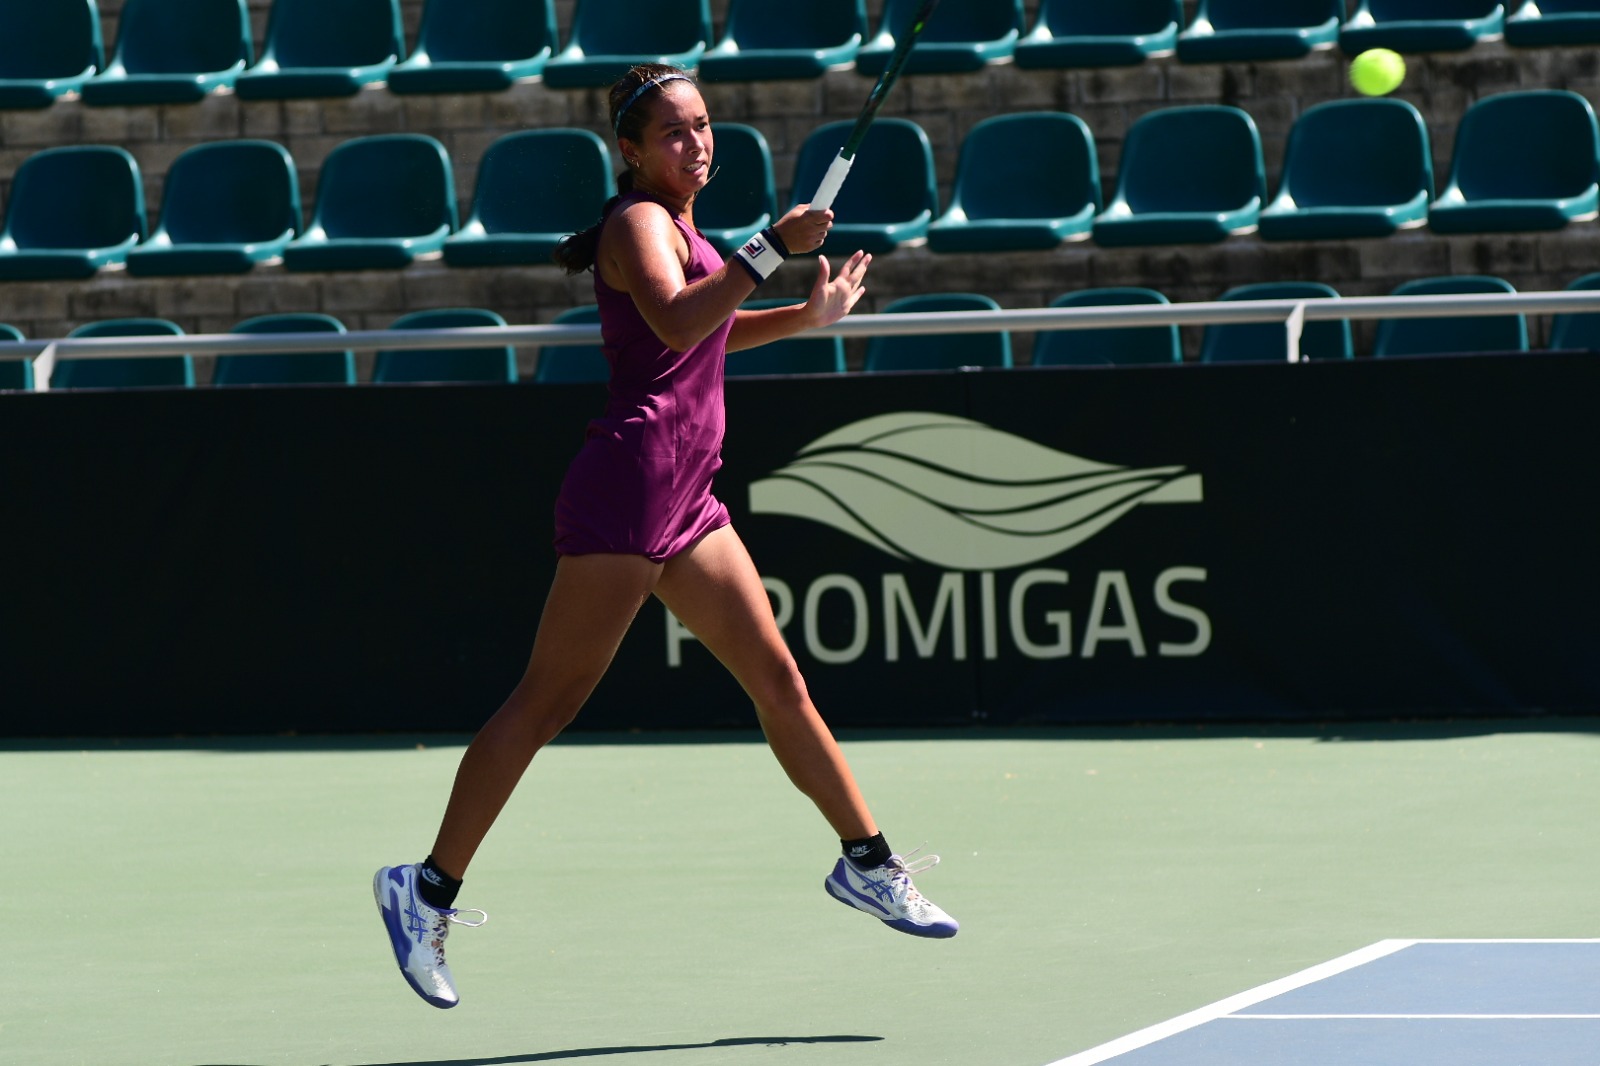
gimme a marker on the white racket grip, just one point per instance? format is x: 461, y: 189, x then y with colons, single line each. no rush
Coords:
x: 832, y: 182
x: 44, y: 365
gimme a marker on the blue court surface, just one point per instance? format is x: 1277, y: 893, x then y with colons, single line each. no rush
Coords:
x: 1396, y: 1003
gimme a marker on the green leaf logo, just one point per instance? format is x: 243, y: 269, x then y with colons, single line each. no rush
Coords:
x: 958, y: 494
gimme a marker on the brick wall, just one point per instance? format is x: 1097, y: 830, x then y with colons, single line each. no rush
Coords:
x: 1441, y: 86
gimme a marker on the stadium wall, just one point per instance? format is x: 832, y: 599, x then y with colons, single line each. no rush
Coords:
x: 1326, y: 541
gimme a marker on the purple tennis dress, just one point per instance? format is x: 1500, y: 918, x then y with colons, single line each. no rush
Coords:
x: 641, y: 484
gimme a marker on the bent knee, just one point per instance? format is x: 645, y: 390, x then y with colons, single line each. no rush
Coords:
x: 780, y: 689
x: 546, y: 708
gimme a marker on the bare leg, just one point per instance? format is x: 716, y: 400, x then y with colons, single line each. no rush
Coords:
x: 714, y: 589
x: 592, y: 602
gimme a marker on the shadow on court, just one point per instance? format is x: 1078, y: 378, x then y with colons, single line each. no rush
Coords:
x: 634, y: 1049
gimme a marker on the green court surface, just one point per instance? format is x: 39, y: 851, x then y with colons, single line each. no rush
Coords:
x: 657, y: 900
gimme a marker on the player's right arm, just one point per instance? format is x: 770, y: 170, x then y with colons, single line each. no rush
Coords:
x: 644, y: 254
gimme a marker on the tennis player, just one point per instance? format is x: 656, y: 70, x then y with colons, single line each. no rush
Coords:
x: 636, y: 517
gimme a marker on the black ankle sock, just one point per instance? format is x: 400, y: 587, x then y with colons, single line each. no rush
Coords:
x: 868, y: 852
x: 437, y: 888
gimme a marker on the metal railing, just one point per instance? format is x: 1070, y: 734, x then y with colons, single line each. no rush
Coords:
x: 1292, y: 314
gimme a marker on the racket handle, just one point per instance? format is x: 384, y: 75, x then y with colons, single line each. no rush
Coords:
x: 832, y: 182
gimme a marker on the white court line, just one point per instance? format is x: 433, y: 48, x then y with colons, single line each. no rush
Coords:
x: 1162, y: 1030
x: 1226, y: 1007
x: 1510, y: 940
x: 1409, y: 1017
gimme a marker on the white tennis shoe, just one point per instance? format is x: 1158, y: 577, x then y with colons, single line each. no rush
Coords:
x: 417, y: 933
x: 886, y: 893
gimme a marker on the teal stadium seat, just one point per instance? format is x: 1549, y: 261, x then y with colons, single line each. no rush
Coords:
x: 382, y: 201
x: 609, y: 36
x: 1111, y: 345
x: 454, y: 365
x: 16, y: 375
x: 1523, y: 161
x: 71, y: 212
x: 1439, y: 336
x: 126, y: 372
x: 1581, y: 331
x: 534, y: 188
x: 891, y: 196
x: 1100, y: 33
x: 477, y: 46
x: 1352, y: 168
x: 764, y: 41
x: 1267, y: 342
x: 803, y: 354
x: 1421, y: 25
x: 226, y: 206
x: 1540, y: 23
x: 573, y: 364
x: 48, y: 49
x: 173, y: 52
x: 1028, y: 180
x: 939, y: 351
x: 1247, y: 31
x: 324, y: 48
x: 743, y: 200
x: 287, y: 368
x: 1189, y: 175
x: 963, y: 36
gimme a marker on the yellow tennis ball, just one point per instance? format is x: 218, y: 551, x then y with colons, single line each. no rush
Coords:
x: 1377, y: 72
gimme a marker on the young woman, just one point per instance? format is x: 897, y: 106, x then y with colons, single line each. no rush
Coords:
x: 636, y: 518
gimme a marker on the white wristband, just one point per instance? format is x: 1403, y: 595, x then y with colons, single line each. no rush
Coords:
x: 762, y: 254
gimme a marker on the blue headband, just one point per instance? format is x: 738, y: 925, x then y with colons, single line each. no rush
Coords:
x: 640, y: 91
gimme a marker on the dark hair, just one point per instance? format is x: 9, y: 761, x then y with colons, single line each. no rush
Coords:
x: 630, y: 115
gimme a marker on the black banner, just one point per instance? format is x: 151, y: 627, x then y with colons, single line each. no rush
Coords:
x: 1328, y: 540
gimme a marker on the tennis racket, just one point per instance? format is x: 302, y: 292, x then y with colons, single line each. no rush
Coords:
x: 833, y: 180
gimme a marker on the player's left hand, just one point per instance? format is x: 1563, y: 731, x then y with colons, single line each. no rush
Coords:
x: 833, y: 297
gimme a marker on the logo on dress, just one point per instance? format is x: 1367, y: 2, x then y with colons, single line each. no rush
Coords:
x: 958, y: 494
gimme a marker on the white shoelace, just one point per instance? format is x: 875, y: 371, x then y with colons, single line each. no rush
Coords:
x: 443, y: 920
x: 917, y: 866
x: 907, y: 865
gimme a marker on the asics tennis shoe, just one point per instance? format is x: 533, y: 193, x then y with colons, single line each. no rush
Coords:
x: 417, y: 933
x: 886, y: 893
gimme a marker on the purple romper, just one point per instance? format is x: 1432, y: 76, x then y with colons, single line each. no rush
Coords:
x: 641, y: 484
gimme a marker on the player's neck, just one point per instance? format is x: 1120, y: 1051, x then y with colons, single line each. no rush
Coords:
x: 681, y: 205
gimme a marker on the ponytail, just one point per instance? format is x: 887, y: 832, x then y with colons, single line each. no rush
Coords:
x: 577, y: 252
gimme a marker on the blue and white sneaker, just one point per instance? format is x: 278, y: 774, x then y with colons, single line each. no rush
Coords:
x: 886, y: 893
x: 417, y: 933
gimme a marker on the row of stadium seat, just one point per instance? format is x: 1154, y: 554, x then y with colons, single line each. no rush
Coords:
x: 174, y: 51
x: 383, y: 201
x: 1223, y: 343
x: 1524, y: 161
x: 314, y: 368
x: 1123, y: 346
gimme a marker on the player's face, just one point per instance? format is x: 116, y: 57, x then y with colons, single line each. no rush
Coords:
x: 675, y: 149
